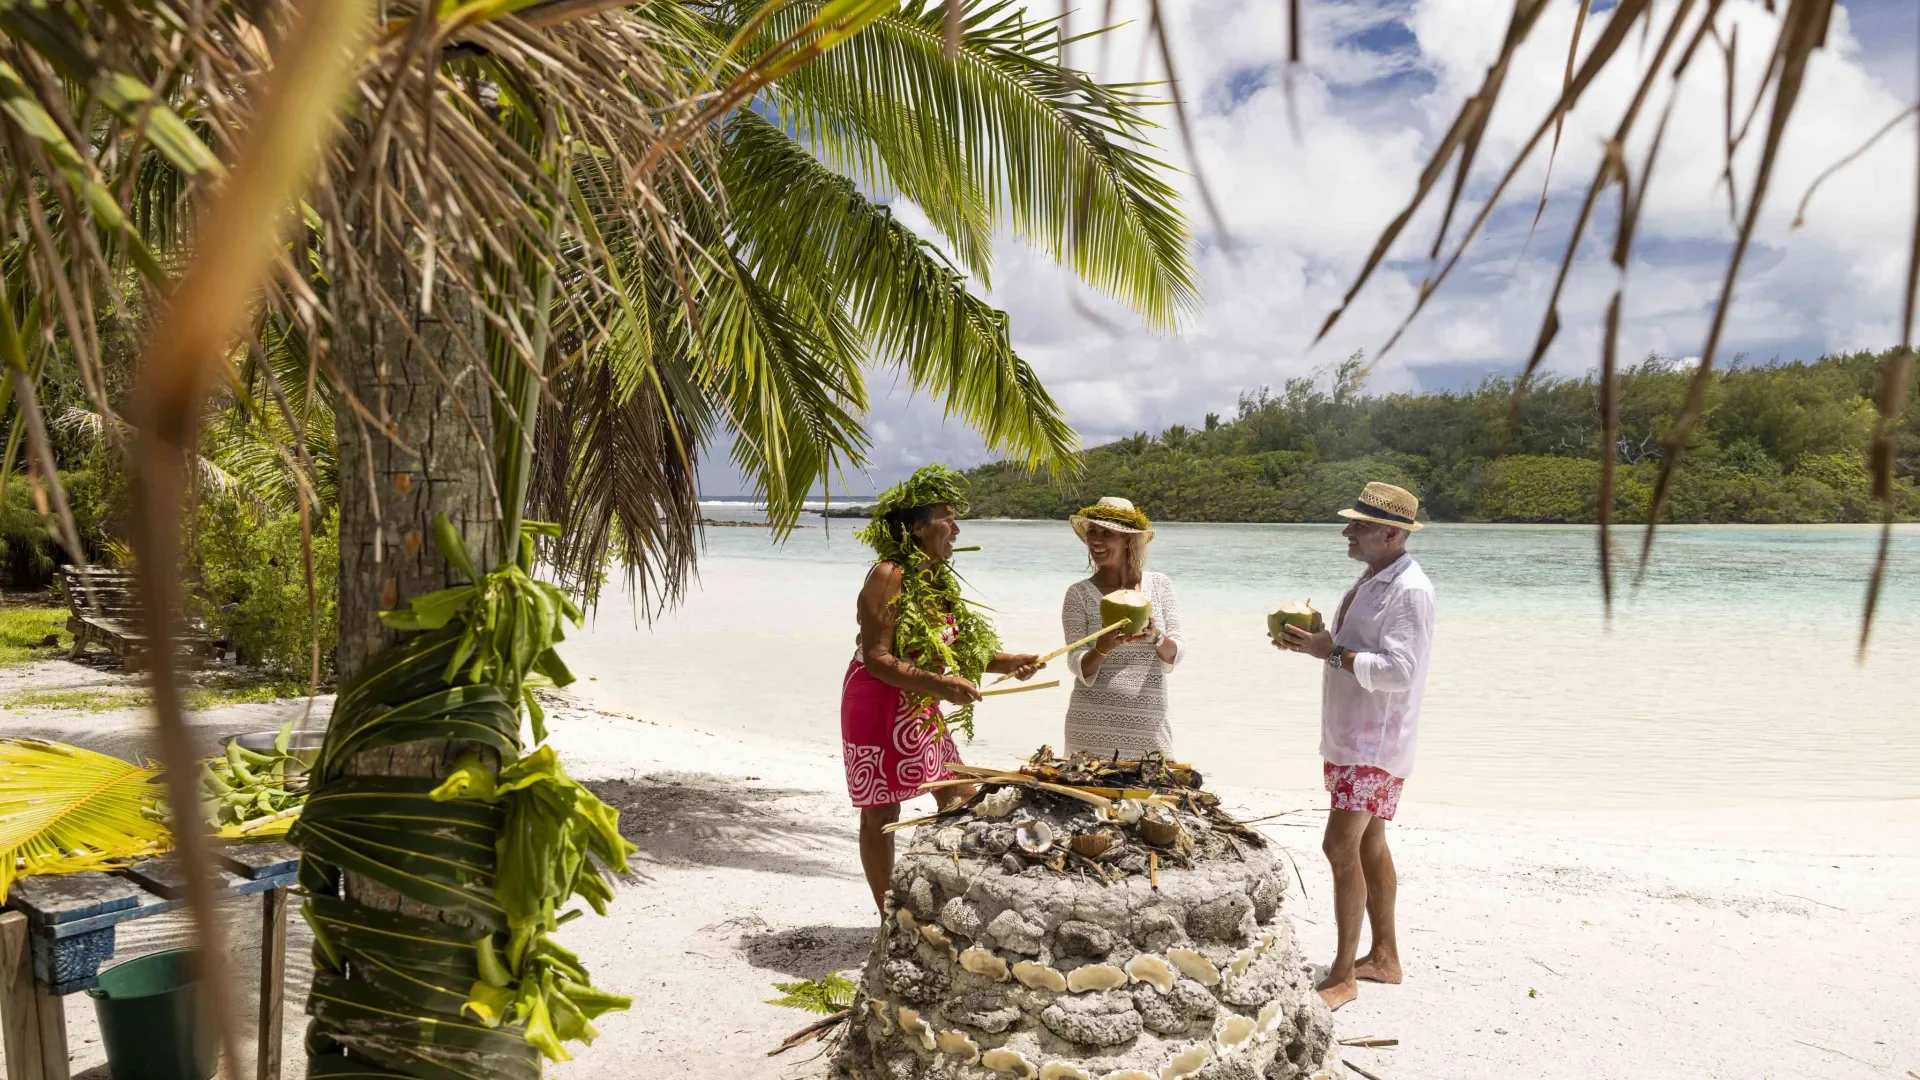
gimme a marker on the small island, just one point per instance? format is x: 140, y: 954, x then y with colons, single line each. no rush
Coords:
x: 1781, y: 443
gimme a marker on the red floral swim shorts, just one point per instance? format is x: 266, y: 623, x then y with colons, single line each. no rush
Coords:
x: 1363, y: 787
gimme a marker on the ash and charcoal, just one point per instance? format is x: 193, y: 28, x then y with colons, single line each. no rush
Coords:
x: 1086, y: 920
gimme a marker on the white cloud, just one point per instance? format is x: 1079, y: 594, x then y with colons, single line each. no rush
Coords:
x: 1383, y: 79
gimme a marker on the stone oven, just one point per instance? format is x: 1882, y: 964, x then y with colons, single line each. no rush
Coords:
x: 1087, y: 920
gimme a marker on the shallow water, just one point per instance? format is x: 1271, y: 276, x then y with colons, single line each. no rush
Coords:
x: 1727, y: 678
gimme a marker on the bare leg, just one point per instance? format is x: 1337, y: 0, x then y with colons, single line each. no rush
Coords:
x: 1382, y: 962
x: 876, y: 851
x: 1345, y: 828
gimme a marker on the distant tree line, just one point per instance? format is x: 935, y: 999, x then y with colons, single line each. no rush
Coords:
x: 1778, y: 443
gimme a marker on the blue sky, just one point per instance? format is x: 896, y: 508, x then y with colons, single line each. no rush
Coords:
x: 1383, y: 80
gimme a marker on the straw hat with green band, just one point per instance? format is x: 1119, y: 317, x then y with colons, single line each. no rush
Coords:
x: 1114, y: 514
x: 1384, y: 504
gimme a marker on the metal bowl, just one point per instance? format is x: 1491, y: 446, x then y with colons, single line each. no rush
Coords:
x: 304, y: 747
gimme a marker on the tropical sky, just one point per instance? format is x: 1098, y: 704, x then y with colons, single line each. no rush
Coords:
x: 1381, y: 82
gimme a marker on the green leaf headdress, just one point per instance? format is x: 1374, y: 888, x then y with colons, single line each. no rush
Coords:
x: 930, y: 590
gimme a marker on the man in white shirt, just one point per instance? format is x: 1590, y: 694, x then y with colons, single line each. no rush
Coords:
x: 1376, y: 672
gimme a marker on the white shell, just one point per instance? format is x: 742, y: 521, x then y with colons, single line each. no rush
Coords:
x: 981, y: 962
x: 1194, y: 966
x: 903, y: 919
x: 1237, y: 1030
x: 1095, y: 977
x: 957, y: 1044
x: 1009, y: 1061
x: 1033, y: 837
x: 936, y: 937
x: 1266, y: 941
x: 1128, y: 1074
x: 997, y: 804
x: 1149, y: 968
x: 911, y: 1023
x: 1186, y: 1063
x: 879, y: 1010
x: 1269, y: 1017
x: 1037, y: 976
x: 1060, y: 1070
x: 1241, y: 961
x: 1128, y: 811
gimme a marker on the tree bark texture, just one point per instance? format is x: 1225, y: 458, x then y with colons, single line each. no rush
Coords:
x: 423, y: 446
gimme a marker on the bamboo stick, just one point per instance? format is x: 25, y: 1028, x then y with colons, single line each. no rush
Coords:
x: 1068, y: 647
x: 1022, y: 689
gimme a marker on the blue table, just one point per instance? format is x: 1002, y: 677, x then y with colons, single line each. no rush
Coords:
x: 56, y: 930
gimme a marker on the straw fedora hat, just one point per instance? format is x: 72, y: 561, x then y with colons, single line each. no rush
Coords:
x: 1384, y: 504
x: 1113, y: 514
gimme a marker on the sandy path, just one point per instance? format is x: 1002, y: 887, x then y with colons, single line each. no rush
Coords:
x: 1766, y: 944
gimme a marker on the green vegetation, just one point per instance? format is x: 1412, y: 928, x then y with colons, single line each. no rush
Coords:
x: 213, y: 694
x: 252, y: 587
x: 1779, y: 443
x: 22, y: 629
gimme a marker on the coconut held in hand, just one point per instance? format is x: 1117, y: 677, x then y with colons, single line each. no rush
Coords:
x: 1129, y: 604
x: 1299, y: 613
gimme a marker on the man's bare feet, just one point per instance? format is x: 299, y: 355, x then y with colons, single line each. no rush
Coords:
x: 1380, y: 969
x: 1336, y: 994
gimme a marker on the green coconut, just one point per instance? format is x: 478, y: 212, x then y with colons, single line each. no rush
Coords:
x: 1129, y: 604
x: 1299, y: 613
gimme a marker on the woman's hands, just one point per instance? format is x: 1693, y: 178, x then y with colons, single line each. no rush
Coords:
x: 956, y: 690
x: 1025, y: 665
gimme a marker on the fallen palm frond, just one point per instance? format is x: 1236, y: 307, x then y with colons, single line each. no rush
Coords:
x: 64, y: 809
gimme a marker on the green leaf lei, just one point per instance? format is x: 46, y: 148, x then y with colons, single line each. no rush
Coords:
x: 930, y: 591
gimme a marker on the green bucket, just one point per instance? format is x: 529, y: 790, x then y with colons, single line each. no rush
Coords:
x: 152, y: 1022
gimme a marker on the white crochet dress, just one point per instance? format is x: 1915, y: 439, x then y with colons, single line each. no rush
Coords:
x: 1124, y: 707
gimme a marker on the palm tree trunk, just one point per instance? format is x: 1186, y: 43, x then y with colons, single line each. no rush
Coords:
x: 417, y: 381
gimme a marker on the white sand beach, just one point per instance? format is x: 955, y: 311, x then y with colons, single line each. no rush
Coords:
x: 1714, y: 945
x: 1709, y: 944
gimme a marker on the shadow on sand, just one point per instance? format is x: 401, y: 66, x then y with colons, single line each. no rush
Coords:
x: 808, y: 952
x: 694, y: 819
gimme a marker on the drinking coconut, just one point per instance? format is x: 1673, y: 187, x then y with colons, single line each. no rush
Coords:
x: 1299, y: 613
x: 1129, y: 604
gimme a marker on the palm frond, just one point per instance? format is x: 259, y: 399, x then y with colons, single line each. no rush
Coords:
x: 64, y: 809
x: 1001, y: 133
x: 803, y: 227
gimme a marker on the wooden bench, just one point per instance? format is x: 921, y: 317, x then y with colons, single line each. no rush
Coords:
x: 57, y: 929
x: 105, y: 607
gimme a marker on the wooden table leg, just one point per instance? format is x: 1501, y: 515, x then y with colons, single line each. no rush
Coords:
x: 273, y: 977
x: 35, y: 1021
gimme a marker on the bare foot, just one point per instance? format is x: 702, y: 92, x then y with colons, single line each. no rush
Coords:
x: 1336, y: 994
x: 1380, y: 969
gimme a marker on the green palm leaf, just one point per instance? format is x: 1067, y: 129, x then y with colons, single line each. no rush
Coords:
x: 64, y: 809
x: 1000, y: 134
x: 806, y: 229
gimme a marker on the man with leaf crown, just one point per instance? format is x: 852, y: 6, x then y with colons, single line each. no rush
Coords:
x: 921, y: 643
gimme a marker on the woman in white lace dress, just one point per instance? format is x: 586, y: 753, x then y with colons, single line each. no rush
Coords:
x: 1119, y: 701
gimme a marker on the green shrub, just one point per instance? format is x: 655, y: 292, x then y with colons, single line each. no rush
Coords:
x: 253, y: 588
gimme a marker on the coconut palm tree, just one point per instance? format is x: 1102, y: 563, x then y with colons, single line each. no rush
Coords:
x: 540, y: 207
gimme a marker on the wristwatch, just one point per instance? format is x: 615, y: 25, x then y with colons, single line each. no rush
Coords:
x: 1333, y: 658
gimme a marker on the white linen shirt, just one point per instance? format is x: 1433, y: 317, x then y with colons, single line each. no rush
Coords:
x: 1371, y: 715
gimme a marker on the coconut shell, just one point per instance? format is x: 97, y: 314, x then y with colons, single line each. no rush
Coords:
x: 1299, y: 613
x: 1129, y: 604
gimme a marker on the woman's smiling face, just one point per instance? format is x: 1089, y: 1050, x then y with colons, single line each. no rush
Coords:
x: 936, y: 537
x: 1107, y: 547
